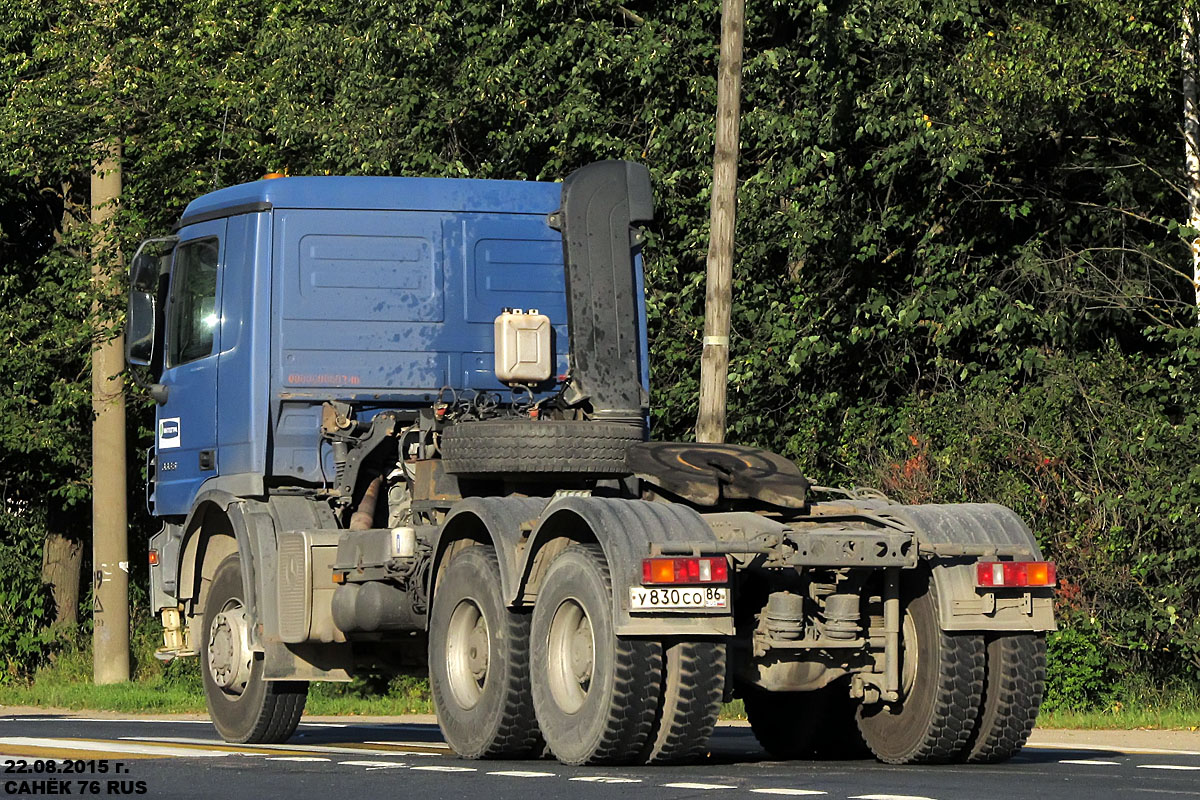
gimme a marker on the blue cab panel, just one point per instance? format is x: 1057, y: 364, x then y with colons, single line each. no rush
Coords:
x: 376, y: 291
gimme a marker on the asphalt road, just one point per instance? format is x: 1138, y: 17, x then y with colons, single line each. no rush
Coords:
x: 178, y: 758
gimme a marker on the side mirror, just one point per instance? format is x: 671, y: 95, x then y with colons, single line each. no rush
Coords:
x: 140, y: 327
x: 150, y: 264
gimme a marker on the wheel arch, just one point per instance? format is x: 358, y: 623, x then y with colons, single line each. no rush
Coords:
x: 219, y: 525
x: 498, y: 522
x: 625, y: 531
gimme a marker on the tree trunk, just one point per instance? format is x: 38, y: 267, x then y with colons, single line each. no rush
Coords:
x: 62, y: 559
x: 1191, y: 131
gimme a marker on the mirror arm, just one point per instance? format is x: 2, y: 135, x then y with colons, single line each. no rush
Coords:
x: 158, y: 391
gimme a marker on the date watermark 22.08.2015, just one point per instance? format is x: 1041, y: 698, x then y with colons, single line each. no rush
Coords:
x: 86, y: 777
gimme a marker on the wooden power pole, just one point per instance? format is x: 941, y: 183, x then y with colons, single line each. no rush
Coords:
x: 714, y: 363
x: 110, y: 548
x: 1191, y: 131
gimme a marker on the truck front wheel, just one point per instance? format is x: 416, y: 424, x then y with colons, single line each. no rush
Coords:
x: 596, y: 695
x: 941, y: 687
x: 244, y: 707
x: 479, y: 662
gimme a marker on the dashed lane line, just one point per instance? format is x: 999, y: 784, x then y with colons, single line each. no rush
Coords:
x: 521, y: 773
x: 1090, y: 762
x: 785, y: 791
x: 1186, y: 767
x: 700, y: 786
x: 605, y: 779
x: 440, y: 768
x: 341, y: 748
x: 889, y: 797
x: 1136, y: 751
x: 298, y: 758
x: 374, y: 764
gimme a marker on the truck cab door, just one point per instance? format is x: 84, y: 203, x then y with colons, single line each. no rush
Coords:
x: 186, y: 423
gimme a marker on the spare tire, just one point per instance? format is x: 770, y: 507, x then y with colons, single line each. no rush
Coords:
x: 515, y: 446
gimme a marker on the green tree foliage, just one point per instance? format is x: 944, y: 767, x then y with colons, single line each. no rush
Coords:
x: 958, y: 276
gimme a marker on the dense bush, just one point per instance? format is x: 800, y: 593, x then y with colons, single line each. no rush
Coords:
x: 26, y: 607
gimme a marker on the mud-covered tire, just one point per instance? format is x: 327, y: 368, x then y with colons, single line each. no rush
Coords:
x: 939, y: 705
x: 596, y: 695
x: 1013, y: 687
x: 693, y: 687
x: 488, y: 715
x: 254, y: 710
x: 505, y: 446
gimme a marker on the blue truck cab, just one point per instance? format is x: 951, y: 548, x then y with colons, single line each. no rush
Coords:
x: 405, y: 420
x: 380, y: 292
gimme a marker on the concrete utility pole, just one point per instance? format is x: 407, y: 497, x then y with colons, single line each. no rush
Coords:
x: 110, y: 548
x: 1191, y: 131
x: 714, y: 363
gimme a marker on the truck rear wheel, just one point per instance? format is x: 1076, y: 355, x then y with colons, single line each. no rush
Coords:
x: 244, y: 707
x: 596, y: 695
x: 941, y: 687
x: 479, y: 662
x: 1016, y: 679
x: 693, y: 687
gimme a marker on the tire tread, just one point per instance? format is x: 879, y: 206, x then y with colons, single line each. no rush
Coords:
x: 1012, y: 695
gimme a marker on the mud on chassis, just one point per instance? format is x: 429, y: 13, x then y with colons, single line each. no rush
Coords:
x: 579, y: 589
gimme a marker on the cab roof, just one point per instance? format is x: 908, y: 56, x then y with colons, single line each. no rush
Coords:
x: 470, y: 195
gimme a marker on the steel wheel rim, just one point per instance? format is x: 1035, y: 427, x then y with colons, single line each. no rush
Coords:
x: 468, y: 653
x: 571, y: 648
x: 228, y: 655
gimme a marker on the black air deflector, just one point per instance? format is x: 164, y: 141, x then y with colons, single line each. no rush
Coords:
x: 600, y: 205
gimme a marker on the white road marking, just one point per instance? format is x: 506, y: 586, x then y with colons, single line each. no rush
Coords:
x: 697, y: 786
x: 291, y: 748
x: 520, y: 773
x: 297, y: 758
x: 787, y: 791
x: 605, y: 779
x: 1144, y: 751
x: 436, y: 768
x: 1167, y: 766
x: 376, y: 764
x: 107, y: 746
x: 1089, y: 762
x: 889, y: 797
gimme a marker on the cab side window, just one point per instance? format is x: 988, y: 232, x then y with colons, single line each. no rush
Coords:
x: 193, y: 312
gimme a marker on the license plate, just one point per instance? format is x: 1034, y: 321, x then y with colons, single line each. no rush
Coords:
x: 645, y: 598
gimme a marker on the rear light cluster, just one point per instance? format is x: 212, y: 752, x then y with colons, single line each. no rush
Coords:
x: 1015, y: 573
x: 685, y: 570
